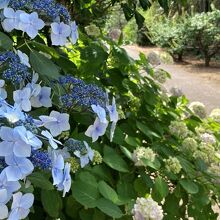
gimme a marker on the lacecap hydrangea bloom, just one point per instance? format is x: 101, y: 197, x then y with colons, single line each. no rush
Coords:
x: 178, y: 129
x: 147, y: 209
x: 143, y: 153
x: 198, y: 109
x: 31, y: 16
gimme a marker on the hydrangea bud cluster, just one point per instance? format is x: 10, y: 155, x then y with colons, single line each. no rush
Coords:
x: 172, y: 165
x: 176, y: 92
x: 92, y: 30
x: 215, y: 115
x: 198, y: 109
x: 147, y: 209
x: 178, y: 129
x: 143, y: 153
x: 97, y: 159
x: 31, y: 16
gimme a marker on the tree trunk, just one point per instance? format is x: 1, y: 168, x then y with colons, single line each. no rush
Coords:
x: 207, y: 60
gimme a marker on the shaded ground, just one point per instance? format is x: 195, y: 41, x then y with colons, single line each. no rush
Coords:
x: 197, y: 82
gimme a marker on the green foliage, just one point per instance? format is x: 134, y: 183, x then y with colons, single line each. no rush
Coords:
x: 200, y: 32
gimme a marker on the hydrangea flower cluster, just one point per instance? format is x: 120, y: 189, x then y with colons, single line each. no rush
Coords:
x: 15, y: 66
x: 198, y: 109
x: 160, y: 75
x: 89, y: 96
x: 215, y: 115
x: 173, y: 165
x: 189, y: 145
x: 143, y: 153
x: 147, y: 209
x: 26, y: 16
x: 28, y: 143
x: 178, y: 129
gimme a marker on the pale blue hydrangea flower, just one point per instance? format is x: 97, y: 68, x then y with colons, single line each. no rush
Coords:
x: 65, y: 183
x: 3, y: 93
x: 21, y: 206
x: 12, y: 19
x: 3, y: 211
x: 57, y: 169
x: 12, y: 143
x: 31, y: 24
x: 7, y: 188
x: 59, y: 34
x: 113, y: 114
x: 18, y: 168
x: 22, y: 99
x: 56, y: 122
x: 23, y: 58
x: 85, y: 157
x: 53, y: 142
x: 4, y: 3
x: 96, y: 130
x: 113, y: 111
x: 100, y: 113
x: 42, y: 98
x: 12, y: 114
x: 74, y: 32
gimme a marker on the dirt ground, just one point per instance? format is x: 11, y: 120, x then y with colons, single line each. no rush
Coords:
x: 197, y: 82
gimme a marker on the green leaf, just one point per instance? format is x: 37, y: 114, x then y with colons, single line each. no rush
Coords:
x: 85, y: 193
x: 145, y: 4
x: 38, y: 179
x: 133, y: 141
x: 43, y: 65
x: 109, y: 208
x: 189, y: 186
x: 107, y: 191
x: 126, y: 152
x: 139, y: 19
x: 155, y: 164
x: 5, y: 42
x: 160, y: 189
x: 144, y: 129
x: 114, y: 160
x: 52, y: 202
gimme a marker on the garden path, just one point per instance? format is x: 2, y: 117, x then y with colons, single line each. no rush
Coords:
x: 197, y: 82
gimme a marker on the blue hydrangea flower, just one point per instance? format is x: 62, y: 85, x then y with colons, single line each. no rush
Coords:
x: 4, y: 3
x: 7, y: 188
x: 12, y: 19
x: 22, y: 99
x: 59, y: 33
x: 65, y: 183
x: 85, y: 155
x: 53, y: 142
x: 12, y: 143
x: 74, y: 32
x: 18, y: 168
x: 56, y: 122
x: 100, y: 113
x: 23, y: 58
x: 31, y: 24
x: 57, y: 169
x: 96, y: 130
x: 12, y: 114
x: 42, y: 98
x: 112, y: 109
x: 3, y: 93
x: 21, y: 206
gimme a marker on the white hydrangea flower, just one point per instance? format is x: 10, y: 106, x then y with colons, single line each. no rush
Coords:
x: 189, y: 144
x: 198, y: 109
x: 173, y: 165
x: 160, y: 75
x: 92, y: 30
x: 208, y: 138
x: 143, y: 153
x: 178, y: 129
x: 147, y: 209
x: 176, y: 92
x: 154, y: 58
x: 215, y: 115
